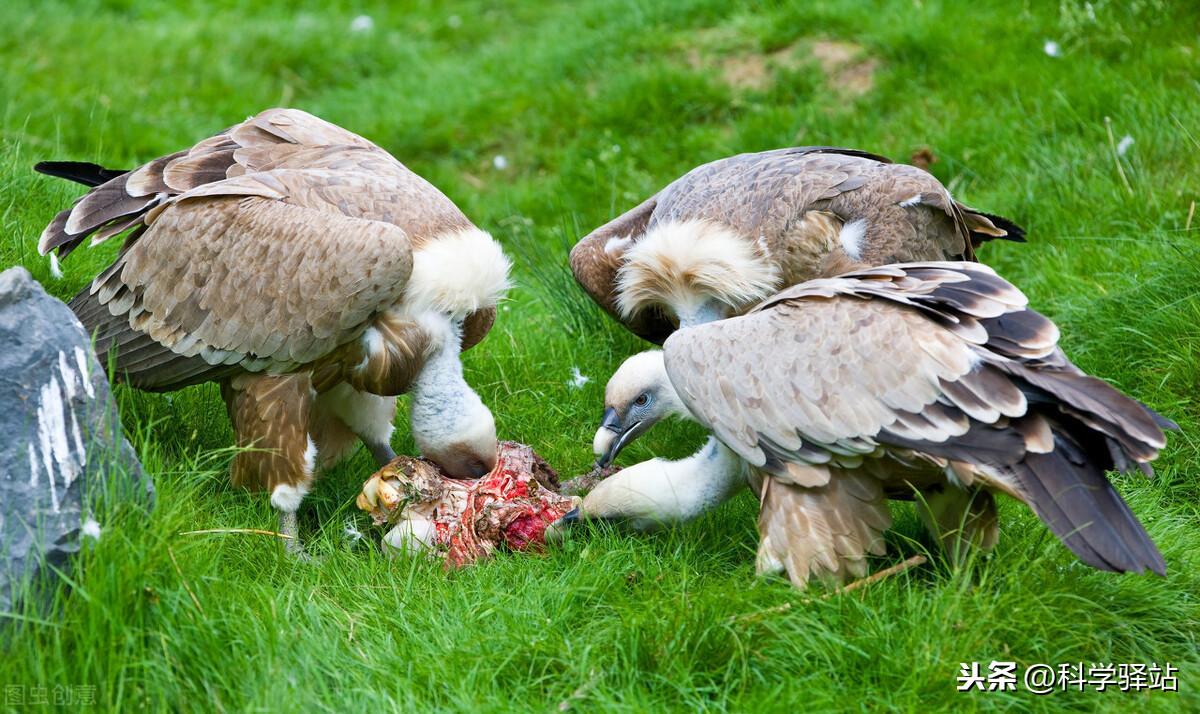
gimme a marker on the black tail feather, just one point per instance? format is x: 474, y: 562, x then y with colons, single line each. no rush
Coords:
x: 1070, y: 493
x: 83, y: 172
x: 1015, y: 233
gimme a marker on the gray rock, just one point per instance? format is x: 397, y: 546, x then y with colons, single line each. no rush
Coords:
x: 62, y: 448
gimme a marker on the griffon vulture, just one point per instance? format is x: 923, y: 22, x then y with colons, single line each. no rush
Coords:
x: 837, y: 394
x: 730, y: 233
x: 312, y: 275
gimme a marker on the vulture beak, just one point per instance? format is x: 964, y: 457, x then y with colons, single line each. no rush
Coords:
x: 612, y: 436
x: 556, y: 531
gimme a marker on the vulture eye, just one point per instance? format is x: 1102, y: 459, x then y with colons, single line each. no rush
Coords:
x: 642, y: 400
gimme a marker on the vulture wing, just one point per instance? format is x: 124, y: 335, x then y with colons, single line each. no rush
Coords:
x: 262, y: 247
x: 596, y: 258
x: 943, y: 359
x: 236, y: 276
x: 275, y: 139
x: 907, y: 213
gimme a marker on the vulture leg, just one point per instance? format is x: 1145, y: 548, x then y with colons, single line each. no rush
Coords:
x: 271, y: 419
x: 827, y: 531
x: 292, y: 544
x: 961, y: 520
x: 344, y: 410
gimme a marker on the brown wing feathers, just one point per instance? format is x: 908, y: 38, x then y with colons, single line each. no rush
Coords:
x: 121, y: 199
x: 137, y: 358
x: 999, y: 394
x: 188, y: 296
x: 1095, y: 428
x: 103, y: 206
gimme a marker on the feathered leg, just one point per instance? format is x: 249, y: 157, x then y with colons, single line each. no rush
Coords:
x: 271, y: 416
x: 825, y: 531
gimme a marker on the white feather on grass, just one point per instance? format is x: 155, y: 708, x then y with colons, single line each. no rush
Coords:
x: 578, y: 379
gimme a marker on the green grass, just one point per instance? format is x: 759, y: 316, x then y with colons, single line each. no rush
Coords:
x: 595, y: 105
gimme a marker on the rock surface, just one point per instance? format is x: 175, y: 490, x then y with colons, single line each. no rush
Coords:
x: 62, y: 442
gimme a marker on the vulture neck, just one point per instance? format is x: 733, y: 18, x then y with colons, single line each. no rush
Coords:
x: 707, y: 311
x: 684, y: 489
x: 441, y: 397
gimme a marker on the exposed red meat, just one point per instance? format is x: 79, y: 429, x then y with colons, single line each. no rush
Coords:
x: 509, y: 508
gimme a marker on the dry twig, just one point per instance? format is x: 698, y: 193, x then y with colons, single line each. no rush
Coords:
x: 250, y: 531
x: 876, y: 577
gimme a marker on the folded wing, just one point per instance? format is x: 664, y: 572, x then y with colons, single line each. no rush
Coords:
x: 942, y: 359
x: 263, y: 247
x: 241, y: 280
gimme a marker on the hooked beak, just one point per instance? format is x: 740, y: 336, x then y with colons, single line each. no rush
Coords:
x: 557, y: 531
x: 612, y: 436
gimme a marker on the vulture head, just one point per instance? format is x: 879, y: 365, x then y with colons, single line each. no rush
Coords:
x: 696, y: 270
x: 638, y: 396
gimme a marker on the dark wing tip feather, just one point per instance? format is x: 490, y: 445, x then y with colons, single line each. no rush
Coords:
x: 1015, y: 232
x: 1163, y: 422
x: 1012, y: 231
x: 55, y: 236
x: 858, y: 153
x: 83, y: 172
x: 1072, y: 496
x: 1027, y: 340
x: 1106, y: 409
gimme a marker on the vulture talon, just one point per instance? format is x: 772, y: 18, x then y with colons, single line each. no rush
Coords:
x: 292, y: 545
